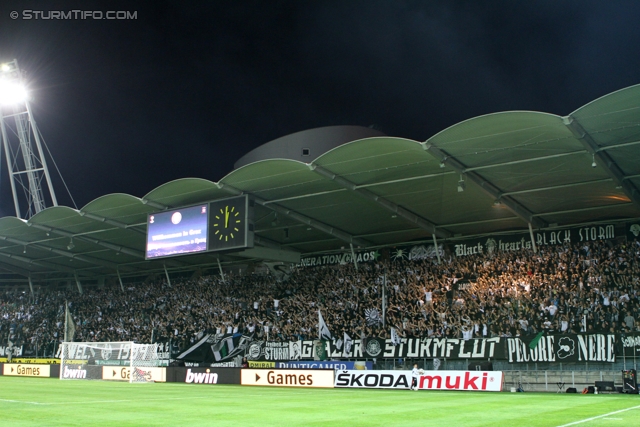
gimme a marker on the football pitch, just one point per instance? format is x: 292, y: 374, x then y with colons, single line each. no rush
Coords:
x: 51, y: 402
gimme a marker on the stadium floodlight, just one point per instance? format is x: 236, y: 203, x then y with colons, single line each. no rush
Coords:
x: 22, y: 145
x: 71, y: 245
x: 12, y: 92
x: 593, y: 163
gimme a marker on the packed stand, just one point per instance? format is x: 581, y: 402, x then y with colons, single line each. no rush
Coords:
x: 561, y: 289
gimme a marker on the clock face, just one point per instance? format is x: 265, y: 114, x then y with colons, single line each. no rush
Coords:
x: 227, y: 223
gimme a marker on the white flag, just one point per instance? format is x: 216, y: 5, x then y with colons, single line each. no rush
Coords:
x: 323, y: 331
x: 436, y: 364
x: 69, y: 325
x: 395, y: 338
x: 348, y: 342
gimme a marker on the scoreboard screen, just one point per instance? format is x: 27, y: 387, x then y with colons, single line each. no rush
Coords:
x: 177, y: 232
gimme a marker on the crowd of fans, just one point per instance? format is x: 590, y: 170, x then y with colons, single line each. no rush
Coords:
x: 561, y: 289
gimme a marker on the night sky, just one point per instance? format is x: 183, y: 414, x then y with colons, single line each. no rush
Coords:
x: 187, y: 88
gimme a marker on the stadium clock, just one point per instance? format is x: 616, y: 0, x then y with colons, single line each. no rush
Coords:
x: 229, y: 224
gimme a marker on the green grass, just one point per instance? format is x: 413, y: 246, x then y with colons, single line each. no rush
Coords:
x: 51, y: 402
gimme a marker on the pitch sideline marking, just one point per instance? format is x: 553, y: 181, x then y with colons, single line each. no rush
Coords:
x: 599, y: 416
x: 19, y: 401
x: 101, y: 401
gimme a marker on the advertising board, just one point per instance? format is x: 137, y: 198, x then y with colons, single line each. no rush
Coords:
x: 24, y: 370
x: 123, y: 373
x: 195, y: 375
x: 327, y: 364
x: 288, y: 377
x: 373, y: 379
x: 461, y: 380
x: 429, y: 380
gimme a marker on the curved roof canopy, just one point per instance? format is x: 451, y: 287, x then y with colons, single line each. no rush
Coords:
x: 514, y: 169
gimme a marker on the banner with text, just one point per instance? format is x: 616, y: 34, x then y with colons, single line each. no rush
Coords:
x: 327, y: 364
x: 373, y: 379
x: 33, y: 360
x: 288, y: 377
x: 629, y: 345
x: 564, y: 348
x: 461, y: 380
x: 117, y: 373
x: 20, y: 370
x: 212, y: 348
x: 447, y: 348
x: 338, y: 259
x: 210, y: 376
x: 15, y: 351
x: 515, y: 242
x: 550, y: 348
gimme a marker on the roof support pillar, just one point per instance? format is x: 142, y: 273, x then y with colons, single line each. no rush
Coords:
x: 30, y: 286
x: 166, y: 273
x: 78, y: 284
x: 120, y: 279
x: 435, y: 246
x: 353, y: 255
x: 221, y: 272
x: 533, y: 241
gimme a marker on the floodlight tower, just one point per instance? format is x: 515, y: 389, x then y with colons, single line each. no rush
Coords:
x: 26, y: 164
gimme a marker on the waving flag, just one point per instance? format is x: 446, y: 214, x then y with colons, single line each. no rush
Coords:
x: 323, y: 330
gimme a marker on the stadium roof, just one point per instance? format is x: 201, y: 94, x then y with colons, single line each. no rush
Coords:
x: 514, y: 168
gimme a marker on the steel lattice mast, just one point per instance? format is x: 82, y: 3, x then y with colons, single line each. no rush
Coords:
x: 25, y: 159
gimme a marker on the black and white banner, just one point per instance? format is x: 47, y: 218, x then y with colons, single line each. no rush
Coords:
x: 15, y: 351
x: 228, y: 350
x: 515, y: 242
x: 633, y: 232
x: 416, y: 253
x: 629, y: 345
x: 164, y: 349
x: 217, y: 348
x: 486, y: 245
x: 443, y: 348
x: 104, y: 353
x: 276, y: 351
x: 339, y: 259
x: 564, y: 348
